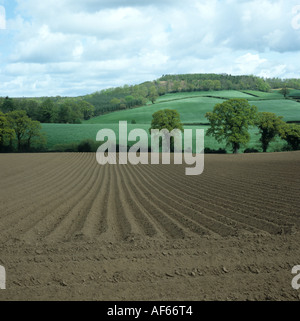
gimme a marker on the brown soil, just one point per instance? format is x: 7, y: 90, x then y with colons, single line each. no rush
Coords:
x: 71, y: 229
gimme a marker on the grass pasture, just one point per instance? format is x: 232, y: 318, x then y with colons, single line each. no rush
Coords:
x: 192, y: 108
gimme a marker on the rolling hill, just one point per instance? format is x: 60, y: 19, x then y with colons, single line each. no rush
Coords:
x: 191, y: 107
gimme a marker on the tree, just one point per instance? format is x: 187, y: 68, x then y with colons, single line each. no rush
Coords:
x: 217, y: 85
x: 6, y: 132
x: 230, y: 121
x: 153, y: 94
x: 33, y: 131
x: 291, y: 134
x: 47, y: 111
x: 32, y: 108
x: 208, y: 85
x: 261, y: 85
x: 20, y: 123
x: 168, y: 119
x: 129, y: 101
x: 269, y: 125
x: 176, y: 86
x: 87, y: 109
x: 285, y: 91
x: 8, y: 105
x: 24, y: 128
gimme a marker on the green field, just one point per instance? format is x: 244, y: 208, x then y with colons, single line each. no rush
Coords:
x: 192, y: 108
x: 66, y: 134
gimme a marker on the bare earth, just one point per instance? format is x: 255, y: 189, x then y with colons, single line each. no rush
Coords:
x: 71, y: 229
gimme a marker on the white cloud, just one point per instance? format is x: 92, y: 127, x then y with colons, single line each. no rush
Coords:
x: 75, y: 47
x: 249, y: 64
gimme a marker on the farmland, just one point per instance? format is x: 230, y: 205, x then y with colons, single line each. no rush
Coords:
x: 72, y: 229
x: 192, y: 108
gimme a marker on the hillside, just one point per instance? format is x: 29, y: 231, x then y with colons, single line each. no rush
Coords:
x: 192, y: 108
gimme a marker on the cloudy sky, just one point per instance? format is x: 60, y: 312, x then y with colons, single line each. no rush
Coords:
x: 76, y: 47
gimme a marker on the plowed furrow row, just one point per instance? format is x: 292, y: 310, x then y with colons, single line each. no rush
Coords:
x: 235, y: 183
x: 132, y: 207
x: 115, y: 227
x: 187, y: 223
x: 74, y: 220
x: 29, y: 217
x: 37, y: 193
x: 60, y: 209
x: 30, y: 176
x: 209, y: 219
x: 226, y: 188
x: 96, y: 220
x: 165, y: 221
x: 142, y: 215
x: 206, y: 204
x: 15, y: 173
x: 190, y: 222
x: 268, y: 213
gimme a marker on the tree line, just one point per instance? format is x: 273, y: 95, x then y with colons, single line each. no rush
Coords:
x: 19, y: 133
x: 203, y: 82
x: 50, y: 110
x: 230, y: 122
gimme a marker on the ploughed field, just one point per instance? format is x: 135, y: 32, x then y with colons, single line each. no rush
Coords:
x: 72, y: 229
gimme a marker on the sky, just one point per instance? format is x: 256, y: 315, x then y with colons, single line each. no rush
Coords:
x: 77, y: 47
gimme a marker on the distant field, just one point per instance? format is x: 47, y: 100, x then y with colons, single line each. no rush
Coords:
x: 289, y: 109
x: 65, y: 134
x: 192, y: 108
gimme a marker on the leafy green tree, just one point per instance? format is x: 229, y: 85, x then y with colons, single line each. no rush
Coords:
x: 87, y: 109
x: 69, y: 112
x: 153, y: 94
x: 168, y: 119
x: 162, y: 90
x: 20, y: 123
x: 64, y: 115
x: 208, y: 85
x: 291, y: 134
x: 269, y: 125
x: 115, y: 102
x: 176, y: 86
x: 262, y: 85
x: 24, y: 128
x: 230, y: 121
x: 34, y: 132
x: 285, y: 91
x: 8, y: 105
x: 6, y: 132
x: 217, y: 85
x: 32, y: 108
x: 47, y: 111
x: 129, y: 100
